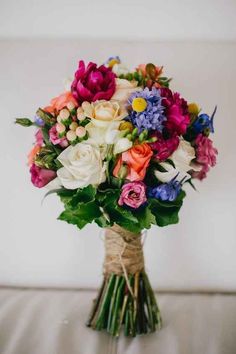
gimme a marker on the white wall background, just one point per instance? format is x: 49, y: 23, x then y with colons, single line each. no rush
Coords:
x: 35, y: 248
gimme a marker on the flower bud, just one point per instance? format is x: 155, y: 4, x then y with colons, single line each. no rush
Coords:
x: 80, y: 132
x: 60, y: 128
x: 135, y: 133
x: 64, y: 114
x: 71, y: 136
x: 123, y: 171
x: 80, y: 114
x: 73, y: 126
x: 126, y: 126
x: 122, y: 145
x: 70, y: 106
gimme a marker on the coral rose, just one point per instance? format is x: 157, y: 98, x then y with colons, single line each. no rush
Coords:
x: 93, y: 83
x: 137, y: 160
x: 61, y: 102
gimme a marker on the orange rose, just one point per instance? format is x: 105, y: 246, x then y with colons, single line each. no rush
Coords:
x: 137, y: 160
x: 61, y: 101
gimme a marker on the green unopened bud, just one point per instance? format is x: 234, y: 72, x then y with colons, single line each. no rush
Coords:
x: 123, y: 171
x: 143, y: 135
x: 152, y: 140
x: 135, y: 132
x: 25, y: 122
x: 129, y: 136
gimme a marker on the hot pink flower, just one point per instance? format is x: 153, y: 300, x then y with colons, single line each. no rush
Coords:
x: 133, y: 194
x: 41, y: 176
x: 92, y: 83
x: 55, y: 139
x: 205, y: 155
x: 176, y: 112
x: 163, y: 148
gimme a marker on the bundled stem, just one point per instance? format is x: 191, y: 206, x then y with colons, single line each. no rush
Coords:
x: 125, y: 297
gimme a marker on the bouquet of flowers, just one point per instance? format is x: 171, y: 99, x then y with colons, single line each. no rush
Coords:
x: 118, y: 148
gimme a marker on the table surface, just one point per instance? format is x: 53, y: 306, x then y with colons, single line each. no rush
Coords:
x: 49, y: 321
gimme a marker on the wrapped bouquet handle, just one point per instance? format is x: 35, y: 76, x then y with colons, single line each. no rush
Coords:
x: 118, y: 149
x: 126, y: 296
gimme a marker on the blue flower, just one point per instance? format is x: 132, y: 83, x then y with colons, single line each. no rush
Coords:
x: 38, y: 121
x: 146, y: 110
x: 204, y: 123
x: 166, y: 191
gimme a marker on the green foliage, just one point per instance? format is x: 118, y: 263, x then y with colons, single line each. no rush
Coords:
x: 83, y: 206
x: 46, y: 117
x: 166, y: 213
x: 24, y: 122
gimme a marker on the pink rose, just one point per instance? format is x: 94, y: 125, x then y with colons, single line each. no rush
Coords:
x: 205, y: 155
x: 133, y: 194
x: 92, y: 83
x: 176, y: 111
x: 163, y: 148
x: 55, y: 139
x: 41, y: 176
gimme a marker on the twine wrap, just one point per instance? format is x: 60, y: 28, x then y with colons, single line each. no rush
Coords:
x: 123, y: 251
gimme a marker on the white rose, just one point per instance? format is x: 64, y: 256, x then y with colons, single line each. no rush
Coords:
x: 123, y: 144
x: 181, y: 158
x: 124, y: 88
x: 103, y: 113
x: 103, y: 135
x: 82, y: 165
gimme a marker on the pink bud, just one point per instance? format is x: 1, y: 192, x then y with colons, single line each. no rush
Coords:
x: 80, y: 132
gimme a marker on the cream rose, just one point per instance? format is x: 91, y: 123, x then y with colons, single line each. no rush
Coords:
x: 181, y: 158
x: 103, y: 113
x: 124, y: 88
x: 82, y: 165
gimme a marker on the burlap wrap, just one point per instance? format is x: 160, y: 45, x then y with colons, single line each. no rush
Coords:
x: 123, y: 251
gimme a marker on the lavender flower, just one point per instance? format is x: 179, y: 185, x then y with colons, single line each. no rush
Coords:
x: 147, y: 110
x: 38, y: 121
x: 166, y: 191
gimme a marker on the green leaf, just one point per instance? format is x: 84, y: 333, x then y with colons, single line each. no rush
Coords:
x: 24, y: 122
x: 83, y: 195
x: 166, y: 213
x: 145, y: 217
x: 82, y: 215
x: 45, y: 116
x: 66, y: 194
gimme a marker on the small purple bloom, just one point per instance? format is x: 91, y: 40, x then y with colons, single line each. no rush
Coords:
x: 152, y: 117
x: 166, y: 191
x: 38, y: 121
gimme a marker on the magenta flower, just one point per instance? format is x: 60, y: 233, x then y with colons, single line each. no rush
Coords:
x: 205, y: 155
x: 176, y: 111
x: 133, y: 194
x: 92, y: 83
x: 163, y: 148
x: 55, y: 139
x: 41, y: 176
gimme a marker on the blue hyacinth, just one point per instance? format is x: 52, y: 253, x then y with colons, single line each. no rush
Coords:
x: 166, y: 191
x: 38, y: 121
x: 152, y: 117
x: 204, y: 122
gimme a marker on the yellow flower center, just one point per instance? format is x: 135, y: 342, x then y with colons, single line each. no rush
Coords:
x: 112, y: 62
x: 193, y: 108
x: 139, y: 104
x: 126, y: 125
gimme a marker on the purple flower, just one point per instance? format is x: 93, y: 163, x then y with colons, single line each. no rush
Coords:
x: 133, y: 194
x: 147, y: 110
x: 166, y: 191
x: 38, y: 121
